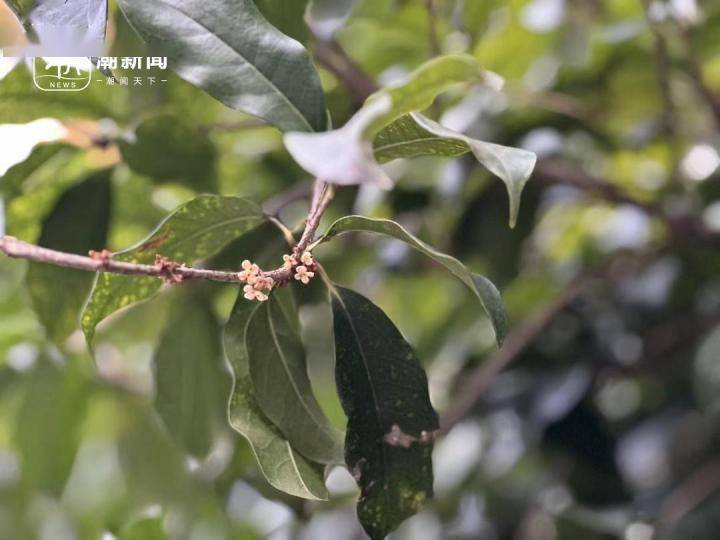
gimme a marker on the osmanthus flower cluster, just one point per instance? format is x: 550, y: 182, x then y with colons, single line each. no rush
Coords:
x: 259, y: 284
x: 256, y: 281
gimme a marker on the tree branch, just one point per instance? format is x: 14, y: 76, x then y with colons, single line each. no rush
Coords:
x: 431, y: 9
x: 681, y: 227
x: 102, y: 262
x: 165, y: 269
x: 688, y: 495
x: 515, y: 344
x: 663, y: 72
x: 333, y: 57
x: 323, y: 193
x: 698, y: 79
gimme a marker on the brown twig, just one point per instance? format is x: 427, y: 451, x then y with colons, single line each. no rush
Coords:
x: 555, y: 102
x: 698, y: 79
x: 431, y: 9
x: 297, y: 192
x: 333, y: 57
x: 515, y: 343
x: 165, y: 269
x: 323, y: 193
x: 688, y: 495
x: 12, y: 247
x: 663, y: 72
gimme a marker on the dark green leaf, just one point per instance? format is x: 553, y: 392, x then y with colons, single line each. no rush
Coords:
x: 485, y: 291
x: 196, y: 230
x: 283, y: 467
x: 345, y: 156
x: 190, y: 380
x: 48, y: 426
x: 78, y: 224
x: 282, y: 387
x: 288, y: 16
x: 391, y: 423
x: 229, y: 50
x: 416, y: 135
x: 166, y: 147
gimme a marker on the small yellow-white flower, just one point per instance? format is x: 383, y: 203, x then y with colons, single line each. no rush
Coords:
x: 288, y: 262
x: 302, y: 274
x: 307, y: 259
x: 250, y: 272
x: 264, y: 282
x: 251, y: 293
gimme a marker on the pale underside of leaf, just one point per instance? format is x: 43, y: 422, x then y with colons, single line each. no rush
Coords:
x: 68, y: 28
x: 283, y: 467
x: 486, y: 292
x: 345, y: 156
x: 228, y: 49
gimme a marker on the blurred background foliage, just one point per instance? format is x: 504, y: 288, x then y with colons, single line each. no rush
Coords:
x: 605, y: 425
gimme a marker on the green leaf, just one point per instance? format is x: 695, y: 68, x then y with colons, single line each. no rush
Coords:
x: 485, y: 291
x: 342, y: 156
x: 11, y: 182
x: 190, y: 379
x: 282, y: 387
x: 49, y: 424
x: 21, y: 101
x: 196, y: 230
x: 78, y: 224
x: 391, y: 423
x: 229, y: 50
x: 40, y: 191
x: 416, y: 135
x: 283, y: 467
x: 288, y: 16
x: 345, y: 156
x: 167, y: 147
x: 326, y: 17
x: 155, y: 471
x: 144, y: 529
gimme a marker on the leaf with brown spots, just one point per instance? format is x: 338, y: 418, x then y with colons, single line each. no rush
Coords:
x: 383, y: 390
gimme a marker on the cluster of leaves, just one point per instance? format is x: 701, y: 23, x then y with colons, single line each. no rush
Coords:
x: 236, y: 55
x: 601, y: 427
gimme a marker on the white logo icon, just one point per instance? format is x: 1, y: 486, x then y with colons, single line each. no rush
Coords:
x: 61, y: 73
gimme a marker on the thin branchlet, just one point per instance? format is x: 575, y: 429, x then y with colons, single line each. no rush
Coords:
x: 172, y: 271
